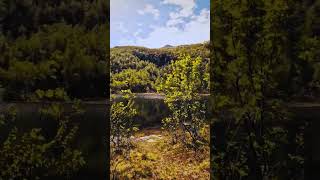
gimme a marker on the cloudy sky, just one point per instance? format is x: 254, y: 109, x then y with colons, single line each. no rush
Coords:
x: 156, y: 23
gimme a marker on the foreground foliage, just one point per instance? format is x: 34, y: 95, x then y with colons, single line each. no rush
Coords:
x: 32, y: 154
x: 264, y: 53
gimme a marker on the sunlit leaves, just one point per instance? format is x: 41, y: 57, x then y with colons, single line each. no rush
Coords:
x: 182, y: 88
x: 122, y: 122
x: 32, y: 154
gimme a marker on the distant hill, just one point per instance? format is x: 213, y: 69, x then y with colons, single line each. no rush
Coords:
x: 138, y: 68
x: 167, y: 46
x: 158, y: 56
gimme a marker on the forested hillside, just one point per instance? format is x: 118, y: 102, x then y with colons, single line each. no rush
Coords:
x: 57, y: 44
x: 140, y: 69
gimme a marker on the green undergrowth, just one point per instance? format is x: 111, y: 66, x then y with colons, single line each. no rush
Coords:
x: 161, y: 160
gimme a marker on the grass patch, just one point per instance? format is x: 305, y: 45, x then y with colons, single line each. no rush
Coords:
x: 161, y: 160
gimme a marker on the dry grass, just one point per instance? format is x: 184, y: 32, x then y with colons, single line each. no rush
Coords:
x: 161, y: 160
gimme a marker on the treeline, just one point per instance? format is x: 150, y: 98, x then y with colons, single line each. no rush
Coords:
x: 53, y: 44
x: 141, y: 69
x: 27, y: 16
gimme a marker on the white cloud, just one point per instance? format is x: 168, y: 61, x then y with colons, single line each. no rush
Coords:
x: 119, y: 26
x: 185, y: 10
x: 126, y: 42
x: 139, y: 31
x: 203, y: 17
x: 174, y: 22
x: 148, y: 8
x: 123, y: 8
x: 186, y: 6
x: 184, y: 25
x: 196, y: 30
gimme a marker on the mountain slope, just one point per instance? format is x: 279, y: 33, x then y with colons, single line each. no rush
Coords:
x: 139, y: 68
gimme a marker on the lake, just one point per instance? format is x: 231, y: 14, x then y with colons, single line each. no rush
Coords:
x: 151, y: 108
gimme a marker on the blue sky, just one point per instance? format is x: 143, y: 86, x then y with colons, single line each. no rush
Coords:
x: 156, y: 23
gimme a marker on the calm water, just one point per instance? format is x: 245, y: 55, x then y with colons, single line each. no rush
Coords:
x: 151, y: 111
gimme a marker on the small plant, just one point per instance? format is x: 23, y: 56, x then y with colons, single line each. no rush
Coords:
x: 122, y: 127
x: 122, y: 123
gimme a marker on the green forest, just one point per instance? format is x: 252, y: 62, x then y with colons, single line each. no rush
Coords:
x: 140, y: 69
